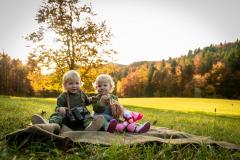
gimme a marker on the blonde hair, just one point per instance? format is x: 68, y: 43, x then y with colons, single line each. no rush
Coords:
x: 104, y: 78
x: 69, y: 76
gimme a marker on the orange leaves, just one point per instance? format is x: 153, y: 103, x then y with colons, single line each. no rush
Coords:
x: 217, y: 67
x: 198, y: 63
x: 135, y: 82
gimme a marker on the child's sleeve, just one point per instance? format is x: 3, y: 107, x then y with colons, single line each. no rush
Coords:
x: 61, y: 102
x: 85, y: 97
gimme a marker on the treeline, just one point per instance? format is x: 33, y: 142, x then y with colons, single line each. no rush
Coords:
x: 215, y: 70
x: 13, y: 79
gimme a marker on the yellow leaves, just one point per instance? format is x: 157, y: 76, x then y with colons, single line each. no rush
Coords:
x: 217, y: 73
x: 199, y: 80
x: 218, y: 66
x: 135, y: 82
x: 41, y: 82
x: 178, y: 71
x: 178, y: 75
x: 119, y: 85
x: 168, y: 66
x: 34, y: 80
x: 197, y: 61
x: 89, y: 75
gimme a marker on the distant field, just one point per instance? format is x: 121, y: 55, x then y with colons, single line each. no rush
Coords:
x: 223, y: 107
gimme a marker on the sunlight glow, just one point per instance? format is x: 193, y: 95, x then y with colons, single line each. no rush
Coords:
x: 46, y: 71
x: 50, y: 41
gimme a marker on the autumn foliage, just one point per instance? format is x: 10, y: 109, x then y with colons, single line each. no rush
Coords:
x: 214, y: 69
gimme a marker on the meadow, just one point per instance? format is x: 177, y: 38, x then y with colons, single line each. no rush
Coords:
x: 218, y: 118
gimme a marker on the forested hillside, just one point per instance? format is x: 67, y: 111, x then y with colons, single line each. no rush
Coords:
x: 13, y: 78
x: 214, y: 69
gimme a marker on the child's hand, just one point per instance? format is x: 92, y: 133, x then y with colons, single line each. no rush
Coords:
x: 63, y: 110
x: 90, y: 99
x: 111, y: 103
x: 103, y: 99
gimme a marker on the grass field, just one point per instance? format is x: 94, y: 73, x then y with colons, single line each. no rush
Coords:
x: 207, y: 106
x: 190, y: 115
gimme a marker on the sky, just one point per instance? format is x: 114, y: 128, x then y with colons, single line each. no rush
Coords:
x: 149, y: 30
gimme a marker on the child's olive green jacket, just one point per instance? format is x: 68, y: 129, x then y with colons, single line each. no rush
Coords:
x: 76, y: 101
x: 99, y: 108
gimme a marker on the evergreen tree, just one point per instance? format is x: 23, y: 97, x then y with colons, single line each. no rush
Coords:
x: 149, y: 91
x: 162, y: 65
x: 207, y: 61
x: 173, y: 65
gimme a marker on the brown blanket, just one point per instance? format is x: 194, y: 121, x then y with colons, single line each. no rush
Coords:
x: 155, y: 134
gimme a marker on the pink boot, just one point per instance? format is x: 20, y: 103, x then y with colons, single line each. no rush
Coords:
x: 120, y: 127
x: 131, y: 127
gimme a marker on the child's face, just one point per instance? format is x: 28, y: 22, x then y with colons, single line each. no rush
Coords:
x: 73, y: 85
x: 103, y: 88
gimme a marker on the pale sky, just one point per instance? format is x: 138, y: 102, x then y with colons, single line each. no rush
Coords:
x: 144, y: 29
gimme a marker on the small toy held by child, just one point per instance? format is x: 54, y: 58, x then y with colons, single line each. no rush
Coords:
x: 130, y: 117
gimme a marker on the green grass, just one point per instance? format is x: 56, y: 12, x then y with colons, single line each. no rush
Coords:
x: 223, y: 106
x: 191, y: 115
x: 194, y: 116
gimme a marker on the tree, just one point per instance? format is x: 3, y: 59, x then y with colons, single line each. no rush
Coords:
x: 173, y: 65
x: 149, y: 88
x: 82, y: 43
x: 13, y: 79
x: 178, y: 80
x: 188, y: 72
x: 207, y: 61
x: 5, y: 62
x: 216, y: 77
x: 156, y: 81
x: 119, y: 85
x: 198, y: 63
x: 162, y: 65
x: 183, y: 74
x: 234, y: 57
x: 135, y: 82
